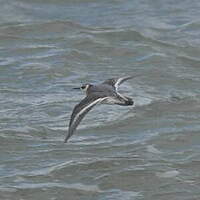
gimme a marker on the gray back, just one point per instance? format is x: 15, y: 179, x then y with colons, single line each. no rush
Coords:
x: 102, y: 90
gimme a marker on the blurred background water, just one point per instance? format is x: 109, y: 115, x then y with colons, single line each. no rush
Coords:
x: 150, y: 151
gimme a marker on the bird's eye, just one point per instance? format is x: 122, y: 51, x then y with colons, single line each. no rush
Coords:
x: 83, y: 87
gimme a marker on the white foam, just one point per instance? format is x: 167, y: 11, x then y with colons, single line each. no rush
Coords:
x: 152, y: 149
x: 168, y: 174
x: 116, y: 194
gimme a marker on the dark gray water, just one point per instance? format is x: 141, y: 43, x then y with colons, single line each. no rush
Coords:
x: 150, y: 151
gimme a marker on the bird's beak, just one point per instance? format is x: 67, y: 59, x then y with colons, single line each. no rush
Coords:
x: 77, y: 88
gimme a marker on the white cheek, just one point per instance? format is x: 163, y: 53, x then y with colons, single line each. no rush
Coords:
x: 85, y: 89
x: 87, y: 86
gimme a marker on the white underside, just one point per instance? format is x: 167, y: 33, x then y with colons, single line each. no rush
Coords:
x: 110, y: 100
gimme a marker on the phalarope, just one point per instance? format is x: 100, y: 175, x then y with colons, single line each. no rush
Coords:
x: 104, y: 93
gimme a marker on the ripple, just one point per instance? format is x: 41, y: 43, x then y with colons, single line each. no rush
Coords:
x: 79, y: 187
x: 168, y: 174
x: 34, y: 30
x: 116, y: 194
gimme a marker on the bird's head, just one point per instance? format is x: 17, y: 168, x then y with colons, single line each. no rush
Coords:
x: 84, y: 87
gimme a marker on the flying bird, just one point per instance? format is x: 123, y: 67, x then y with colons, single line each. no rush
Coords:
x: 104, y: 93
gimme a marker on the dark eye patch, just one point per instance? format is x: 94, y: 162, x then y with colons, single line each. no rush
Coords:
x: 83, y: 87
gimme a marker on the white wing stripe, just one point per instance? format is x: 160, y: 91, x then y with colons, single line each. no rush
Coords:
x: 85, y: 108
x: 121, y: 80
x: 123, y: 97
x: 118, y: 82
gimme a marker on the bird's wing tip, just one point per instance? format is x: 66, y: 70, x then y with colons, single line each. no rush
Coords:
x: 65, y: 141
x: 67, y: 138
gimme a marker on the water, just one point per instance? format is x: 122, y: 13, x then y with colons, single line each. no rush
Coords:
x: 150, y: 151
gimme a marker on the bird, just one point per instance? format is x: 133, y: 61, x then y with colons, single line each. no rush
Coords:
x: 103, y: 93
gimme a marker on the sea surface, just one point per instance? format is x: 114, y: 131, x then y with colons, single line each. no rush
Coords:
x: 150, y: 151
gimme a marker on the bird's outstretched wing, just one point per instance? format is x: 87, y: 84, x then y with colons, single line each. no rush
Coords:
x: 80, y: 110
x: 115, y: 82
